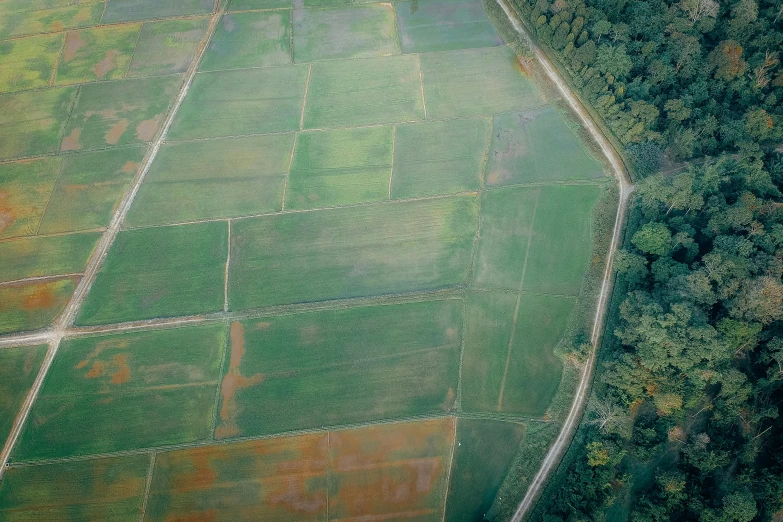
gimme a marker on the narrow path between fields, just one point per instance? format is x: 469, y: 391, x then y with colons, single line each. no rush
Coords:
x: 563, y: 440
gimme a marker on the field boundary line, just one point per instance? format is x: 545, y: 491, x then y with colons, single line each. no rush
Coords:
x: 519, y: 301
x: 328, y: 469
x: 421, y: 85
x: 56, y: 64
x: 147, y: 487
x: 562, y: 442
x: 288, y: 173
x: 60, y: 169
x: 225, y: 275
x: 391, y: 172
x: 448, y: 468
x: 304, y: 98
x: 135, y: 46
x: 34, y: 279
x: 67, y: 316
x: 219, y: 388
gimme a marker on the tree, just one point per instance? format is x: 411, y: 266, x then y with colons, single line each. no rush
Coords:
x: 698, y: 9
x: 613, y: 60
x: 653, y: 238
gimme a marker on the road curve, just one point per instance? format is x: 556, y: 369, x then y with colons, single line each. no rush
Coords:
x: 563, y: 440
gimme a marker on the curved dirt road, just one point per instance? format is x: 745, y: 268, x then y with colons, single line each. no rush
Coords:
x: 559, y: 447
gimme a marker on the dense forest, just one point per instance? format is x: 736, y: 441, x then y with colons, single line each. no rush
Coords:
x: 684, y: 422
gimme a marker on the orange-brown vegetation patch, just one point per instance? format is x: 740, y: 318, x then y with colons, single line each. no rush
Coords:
x: 71, y: 142
x: 146, y: 130
x: 130, y: 167
x: 116, y: 131
x: 42, y: 298
x: 105, y: 66
x: 73, y: 42
x: 122, y: 374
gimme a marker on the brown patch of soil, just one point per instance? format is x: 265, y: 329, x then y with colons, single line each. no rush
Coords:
x: 146, y: 130
x: 448, y: 402
x: 233, y: 381
x: 73, y: 42
x: 56, y: 26
x: 122, y: 375
x: 103, y: 67
x: 116, y: 131
x: 6, y: 218
x: 293, y: 496
x: 71, y: 142
x: 101, y: 347
x: 42, y: 298
x: 97, y: 370
x: 130, y: 167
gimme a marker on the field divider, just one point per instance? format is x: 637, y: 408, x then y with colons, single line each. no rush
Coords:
x: 288, y: 172
x: 68, y: 315
x: 448, y: 468
x: 34, y: 279
x: 391, y: 172
x: 421, y: 85
x: 304, y: 98
x: 147, y: 487
x: 225, y: 275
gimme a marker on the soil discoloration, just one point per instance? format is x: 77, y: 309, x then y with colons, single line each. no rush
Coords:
x: 123, y: 373
x: 293, y: 496
x: 233, y: 381
x: 105, y: 66
x: 116, y: 131
x: 130, y: 167
x: 146, y: 130
x: 42, y: 298
x: 71, y: 142
x: 73, y: 42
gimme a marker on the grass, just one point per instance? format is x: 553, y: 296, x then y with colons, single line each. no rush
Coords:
x: 444, y: 26
x: 242, y: 5
x: 340, y: 167
x: 33, y: 305
x: 103, y: 53
x: 345, y: 32
x: 89, y: 188
x: 167, y: 47
x: 244, y: 40
x: 44, y: 256
x: 364, y: 92
x: 251, y: 101
x: 126, y: 391
x: 99, y: 489
x: 351, y: 252
x: 454, y: 79
x: 132, y: 10
x: 336, y: 369
x: 28, y: 62
x: 538, y: 146
x: 18, y: 369
x: 436, y: 158
x: 124, y: 112
x: 33, y: 122
x: 160, y: 272
x: 482, y: 460
x: 20, y: 22
x: 212, y: 179
x: 26, y: 189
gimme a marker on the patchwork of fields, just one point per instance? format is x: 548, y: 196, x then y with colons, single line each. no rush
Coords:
x: 344, y: 241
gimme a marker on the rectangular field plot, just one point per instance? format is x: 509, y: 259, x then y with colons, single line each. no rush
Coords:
x: 439, y: 157
x: 358, y: 32
x: 482, y: 460
x: 26, y: 189
x: 98, y: 489
x: 45, y: 256
x: 282, y: 479
x: 340, y: 167
x: 536, y: 146
x: 167, y: 47
x: 475, y: 82
x: 103, y: 53
x: 127, y: 391
x: 364, y: 92
x: 160, y: 272
x: 509, y: 363
x: 391, y: 471
x: 124, y: 112
x: 562, y: 242
x: 350, y: 252
x: 251, y: 101
x: 32, y: 123
x: 249, y: 40
x: 33, y: 305
x: 18, y: 369
x: 132, y: 10
x: 246, y: 5
x: 336, y: 369
x: 211, y: 179
x: 89, y: 189
x: 21, y: 18
x: 444, y: 26
x: 28, y: 62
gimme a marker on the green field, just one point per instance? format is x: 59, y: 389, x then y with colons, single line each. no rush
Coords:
x: 119, y: 113
x: 481, y: 461
x: 251, y: 101
x: 132, y: 10
x: 213, y: 179
x: 351, y: 252
x: 28, y: 62
x: 100, y: 489
x: 364, y: 92
x: 166, y: 47
x: 44, y: 256
x: 244, y: 5
x: 23, y: 18
x: 33, y: 305
x: 102, y: 391
x: 452, y: 80
x: 97, y: 54
x: 537, y: 146
x: 160, y: 272
x: 444, y: 26
x: 18, y: 369
x: 336, y: 369
x: 340, y: 167
x: 250, y: 40
x: 359, y: 32
x: 439, y: 157
x: 32, y: 123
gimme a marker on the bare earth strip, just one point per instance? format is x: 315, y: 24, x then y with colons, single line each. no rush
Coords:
x: 563, y: 440
x: 55, y: 335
